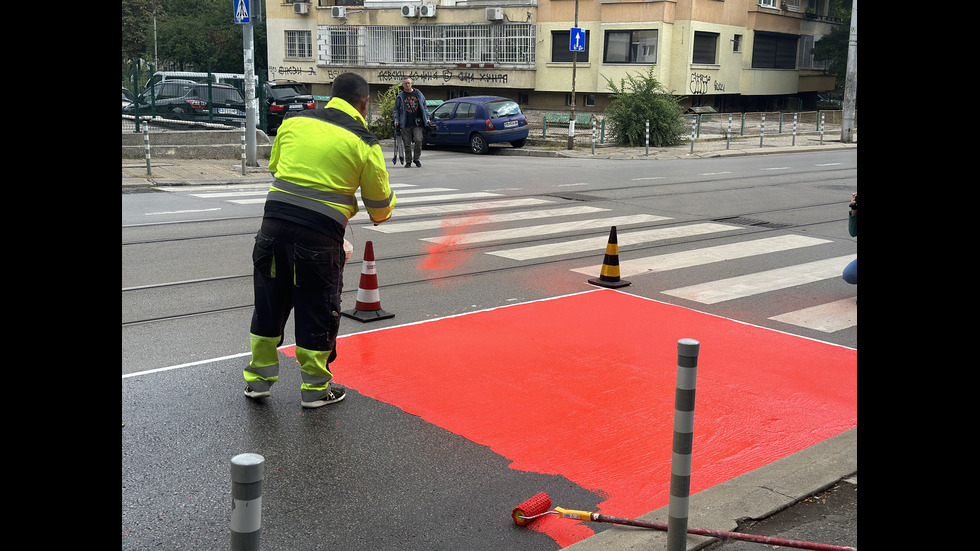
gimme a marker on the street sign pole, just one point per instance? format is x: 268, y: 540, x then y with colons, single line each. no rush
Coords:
x: 575, y: 49
x: 244, y: 16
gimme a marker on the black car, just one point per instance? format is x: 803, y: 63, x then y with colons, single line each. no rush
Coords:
x: 192, y: 101
x: 283, y: 97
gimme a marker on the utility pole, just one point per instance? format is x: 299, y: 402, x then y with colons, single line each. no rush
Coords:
x: 571, y: 114
x: 244, y: 16
x: 850, y: 80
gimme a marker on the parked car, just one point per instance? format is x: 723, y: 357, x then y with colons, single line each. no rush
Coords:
x: 477, y: 122
x: 188, y: 101
x: 283, y: 97
x: 127, y: 98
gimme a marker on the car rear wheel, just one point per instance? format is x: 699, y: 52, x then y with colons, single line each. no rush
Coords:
x: 478, y: 144
x: 518, y: 143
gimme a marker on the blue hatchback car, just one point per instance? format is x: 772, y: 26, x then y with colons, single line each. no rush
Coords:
x: 477, y: 122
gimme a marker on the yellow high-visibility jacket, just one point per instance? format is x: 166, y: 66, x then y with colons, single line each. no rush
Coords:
x: 319, y: 159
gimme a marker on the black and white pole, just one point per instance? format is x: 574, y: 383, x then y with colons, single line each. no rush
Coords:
x: 822, y: 115
x: 593, y: 135
x: 680, y: 465
x: 146, y: 146
x: 762, y: 131
x: 647, y: 139
x: 247, y: 471
x: 728, y: 136
x: 794, y: 128
x: 694, y: 125
x: 244, y: 153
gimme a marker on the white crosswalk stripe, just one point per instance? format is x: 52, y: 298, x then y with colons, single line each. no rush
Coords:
x: 732, y: 288
x: 546, y: 229
x: 707, y: 255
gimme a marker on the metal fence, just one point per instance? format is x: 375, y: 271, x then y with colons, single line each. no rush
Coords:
x: 703, y: 126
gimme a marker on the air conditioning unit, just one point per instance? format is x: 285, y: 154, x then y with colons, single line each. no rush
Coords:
x: 427, y: 11
x: 495, y: 14
x: 408, y: 10
x: 338, y: 12
x: 301, y: 8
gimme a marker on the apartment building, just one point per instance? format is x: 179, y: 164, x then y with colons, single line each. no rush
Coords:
x: 730, y: 55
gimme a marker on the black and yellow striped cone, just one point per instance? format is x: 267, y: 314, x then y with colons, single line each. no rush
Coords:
x: 609, y: 276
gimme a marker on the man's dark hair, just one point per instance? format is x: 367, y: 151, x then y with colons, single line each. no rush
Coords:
x: 351, y: 87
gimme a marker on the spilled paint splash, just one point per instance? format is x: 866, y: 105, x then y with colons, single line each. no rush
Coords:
x: 447, y: 255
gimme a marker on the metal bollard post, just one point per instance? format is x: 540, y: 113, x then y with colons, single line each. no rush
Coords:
x: 794, y: 128
x: 821, y: 128
x: 593, y: 135
x: 728, y: 136
x: 647, y: 139
x: 694, y: 125
x: 762, y: 132
x: 146, y: 147
x: 247, y: 470
x: 243, y: 149
x: 680, y: 468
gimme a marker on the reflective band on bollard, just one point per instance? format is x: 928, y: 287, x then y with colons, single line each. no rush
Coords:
x: 680, y: 468
x: 247, y: 470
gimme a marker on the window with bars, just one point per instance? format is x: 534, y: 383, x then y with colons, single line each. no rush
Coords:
x: 299, y: 45
x: 500, y: 44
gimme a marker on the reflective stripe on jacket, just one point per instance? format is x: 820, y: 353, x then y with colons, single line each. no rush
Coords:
x: 321, y: 157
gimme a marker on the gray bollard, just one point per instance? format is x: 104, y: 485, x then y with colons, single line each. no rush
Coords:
x: 247, y: 470
x: 680, y: 467
x: 146, y: 147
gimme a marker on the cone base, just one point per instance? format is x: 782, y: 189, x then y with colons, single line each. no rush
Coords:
x: 610, y: 284
x: 367, y: 315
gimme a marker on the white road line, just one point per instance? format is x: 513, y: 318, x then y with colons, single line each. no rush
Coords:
x: 752, y: 284
x: 598, y: 244
x: 465, y: 221
x: 707, y: 255
x: 461, y: 207
x: 545, y: 229
x: 827, y: 318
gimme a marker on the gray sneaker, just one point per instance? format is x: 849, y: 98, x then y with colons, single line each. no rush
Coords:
x: 335, y: 395
x: 255, y: 393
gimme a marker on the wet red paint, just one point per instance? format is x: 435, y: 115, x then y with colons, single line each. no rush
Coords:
x: 446, y: 256
x: 583, y: 386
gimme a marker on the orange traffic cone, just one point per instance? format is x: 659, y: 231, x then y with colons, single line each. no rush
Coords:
x: 368, y: 305
x: 609, y: 276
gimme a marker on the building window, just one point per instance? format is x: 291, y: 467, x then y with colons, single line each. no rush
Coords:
x: 590, y: 100
x: 774, y: 51
x: 767, y: 3
x: 560, y: 40
x: 568, y: 100
x: 299, y: 45
x: 383, y: 45
x: 737, y: 43
x: 705, y: 48
x: 630, y: 47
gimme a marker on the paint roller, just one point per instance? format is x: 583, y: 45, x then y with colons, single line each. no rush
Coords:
x: 539, y: 505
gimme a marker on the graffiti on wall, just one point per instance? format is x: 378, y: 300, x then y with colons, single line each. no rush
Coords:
x: 435, y: 76
x: 700, y: 84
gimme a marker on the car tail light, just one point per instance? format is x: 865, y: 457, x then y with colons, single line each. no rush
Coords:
x: 490, y: 125
x: 197, y: 104
x: 276, y: 108
x: 310, y: 105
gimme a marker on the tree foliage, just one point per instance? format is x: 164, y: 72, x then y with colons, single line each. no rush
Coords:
x: 638, y: 99
x: 832, y: 48
x: 199, y: 35
x: 383, y: 126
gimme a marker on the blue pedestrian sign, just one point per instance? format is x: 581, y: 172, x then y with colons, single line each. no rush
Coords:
x: 576, y: 40
x: 243, y: 11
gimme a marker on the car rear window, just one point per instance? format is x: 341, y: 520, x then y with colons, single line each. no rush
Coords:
x: 503, y: 108
x: 289, y: 91
x: 222, y: 94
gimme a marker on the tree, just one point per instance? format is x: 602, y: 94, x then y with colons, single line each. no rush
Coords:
x: 639, y: 99
x: 383, y: 126
x: 832, y: 48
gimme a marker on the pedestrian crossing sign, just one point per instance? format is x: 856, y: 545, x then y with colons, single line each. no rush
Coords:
x: 243, y: 11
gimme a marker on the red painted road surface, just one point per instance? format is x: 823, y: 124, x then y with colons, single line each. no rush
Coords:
x: 582, y: 386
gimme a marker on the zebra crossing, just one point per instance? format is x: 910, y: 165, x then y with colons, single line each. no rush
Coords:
x: 470, y: 218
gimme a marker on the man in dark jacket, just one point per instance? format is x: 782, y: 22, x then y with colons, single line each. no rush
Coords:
x: 411, y: 116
